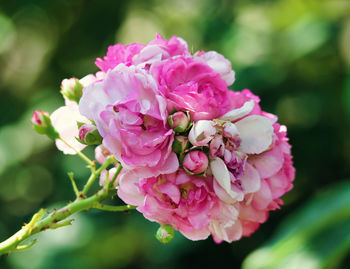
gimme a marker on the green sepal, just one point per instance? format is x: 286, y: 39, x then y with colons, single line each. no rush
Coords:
x: 165, y: 234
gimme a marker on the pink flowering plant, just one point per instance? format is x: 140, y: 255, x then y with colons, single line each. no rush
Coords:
x: 171, y: 141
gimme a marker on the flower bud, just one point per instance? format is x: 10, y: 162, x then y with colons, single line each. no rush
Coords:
x: 180, y: 144
x: 110, y: 174
x: 72, y: 89
x: 165, y: 234
x: 42, y: 124
x: 179, y: 121
x: 195, y: 163
x: 101, y: 154
x: 89, y: 135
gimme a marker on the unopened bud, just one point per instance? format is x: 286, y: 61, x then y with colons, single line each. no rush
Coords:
x: 165, y: 234
x: 101, y: 154
x: 179, y: 121
x: 180, y: 144
x: 110, y: 173
x: 42, y: 124
x: 89, y: 135
x: 72, y: 89
x: 195, y: 163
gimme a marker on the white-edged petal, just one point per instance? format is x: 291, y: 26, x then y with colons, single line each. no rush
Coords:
x: 222, y: 176
x: 256, y: 134
x: 202, y: 132
x: 239, y: 112
x: 219, y: 64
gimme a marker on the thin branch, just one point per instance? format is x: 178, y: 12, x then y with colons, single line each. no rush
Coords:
x: 75, y: 188
x: 79, y: 153
x: 113, y: 208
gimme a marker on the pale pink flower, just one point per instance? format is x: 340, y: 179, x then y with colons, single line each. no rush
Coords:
x: 65, y: 118
x: 130, y: 114
x: 185, y: 202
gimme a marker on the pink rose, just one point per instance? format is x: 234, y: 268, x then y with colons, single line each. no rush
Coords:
x: 178, y: 199
x: 130, y: 114
x: 118, y: 54
x: 160, y: 49
x: 194, y: 86
x: 140, y: 54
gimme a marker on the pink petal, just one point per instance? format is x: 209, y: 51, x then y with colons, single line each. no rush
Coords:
x: 128, y: 190
x: 269, y: 162
x: 263, y: 197
x: 250, y: 179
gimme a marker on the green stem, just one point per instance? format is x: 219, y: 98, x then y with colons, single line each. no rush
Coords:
x: 57, y: 218
x: 95, y: 174
x: 74, y: 185
x: 113, y: 208
x: 52, y: 220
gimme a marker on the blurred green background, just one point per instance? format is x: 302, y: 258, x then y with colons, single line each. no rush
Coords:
x: 294, y: 54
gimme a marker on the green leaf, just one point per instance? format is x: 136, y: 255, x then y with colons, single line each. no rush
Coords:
x: 316, y: 236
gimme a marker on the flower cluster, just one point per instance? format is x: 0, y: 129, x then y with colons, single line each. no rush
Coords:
x: 196, y: 156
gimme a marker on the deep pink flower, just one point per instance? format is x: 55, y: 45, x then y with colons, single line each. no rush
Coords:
x: 192, y: 85
x: 178, y: 199
x: 131, y: 116
x: 140, y: 54
x: 118, y: 54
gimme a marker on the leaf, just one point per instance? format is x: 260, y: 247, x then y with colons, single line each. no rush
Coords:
x: 316, y: 236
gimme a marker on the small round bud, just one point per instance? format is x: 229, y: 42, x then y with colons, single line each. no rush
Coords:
x: 165, y: 234
x: 101, y: 154
x: 42, y: 124
x: 180, y: 144
x: 195, y: 163
x: 89, y: 135
x: 179, y: 121
x: 72, y: 89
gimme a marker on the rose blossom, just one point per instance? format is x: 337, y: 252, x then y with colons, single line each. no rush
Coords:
x: 65, y: 118
x: 140, y: 54
x: 131, y: 116
x: 191, y: 85
x: 177, y: 199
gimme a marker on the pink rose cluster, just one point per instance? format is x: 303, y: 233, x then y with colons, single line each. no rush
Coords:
x: 195, y: 155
